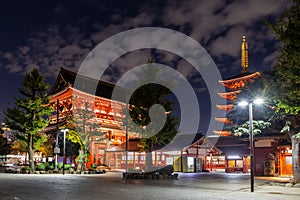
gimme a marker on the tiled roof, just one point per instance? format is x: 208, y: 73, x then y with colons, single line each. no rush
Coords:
x: 240, y: 75
x: 236, y: 150
x: 67, y: 78
x: 231, y: 145
x: 229, y: 141
x: 133, y: 145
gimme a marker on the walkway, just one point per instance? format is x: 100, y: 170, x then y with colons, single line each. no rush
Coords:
x: 111, y: 186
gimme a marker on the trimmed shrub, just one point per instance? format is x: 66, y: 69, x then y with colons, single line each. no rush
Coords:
x: 25, y: 169
x: 59, y: 166
x: 42, y: 167
x: 67, y: 166
x: 51, y: 166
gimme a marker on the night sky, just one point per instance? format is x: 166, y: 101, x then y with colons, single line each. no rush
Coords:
x: 50, y: 34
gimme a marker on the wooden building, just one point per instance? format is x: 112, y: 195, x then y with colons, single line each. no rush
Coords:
x: 101, y: 117
x: 189, y: 159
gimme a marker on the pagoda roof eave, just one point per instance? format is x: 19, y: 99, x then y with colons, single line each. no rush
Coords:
x: 231, y: 92
x: 240, y: 77
x: 223, y: 120
x: 222, y: 132
x: 226, y: 107
x: 229, y: 95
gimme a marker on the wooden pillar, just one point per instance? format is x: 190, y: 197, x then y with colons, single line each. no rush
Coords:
x: 226, y: 164
x: 197, y: 147
x: 245, y: 164
x: 134, y: 160
x: 181, y: 161
x: 92, y: 152
x: 281, y: 161
x: 114, y: 157
x: 210, y: 161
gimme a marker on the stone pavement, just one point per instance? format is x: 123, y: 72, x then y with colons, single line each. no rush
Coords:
x: 111, y: 186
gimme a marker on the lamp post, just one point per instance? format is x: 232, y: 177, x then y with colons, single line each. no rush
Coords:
x: 126, y: 138
x: 56, y: 148
x: 250, y: 105
x: 64, y: 152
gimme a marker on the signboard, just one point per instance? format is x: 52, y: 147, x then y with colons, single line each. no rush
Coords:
x: 56, y: 150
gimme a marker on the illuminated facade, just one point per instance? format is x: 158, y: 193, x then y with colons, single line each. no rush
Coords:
x: 102, y: 119
x: 97, y: 115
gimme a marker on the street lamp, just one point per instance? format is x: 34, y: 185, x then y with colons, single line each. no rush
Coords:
x: 64, y: 152
x: 250, y: 104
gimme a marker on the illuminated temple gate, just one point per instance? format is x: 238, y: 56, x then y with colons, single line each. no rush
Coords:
x: 101, y: 117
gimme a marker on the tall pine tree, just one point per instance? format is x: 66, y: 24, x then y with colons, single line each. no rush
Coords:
x: 30, y: 114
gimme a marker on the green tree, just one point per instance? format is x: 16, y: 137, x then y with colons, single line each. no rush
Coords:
x: 140, y: 103
x: 30, y: 114
x: 243, y: 130
x: 287, y: 69
x: 73, y: 140
x: 77, y: 140
x: 81, y: 128
x: 264, y: 116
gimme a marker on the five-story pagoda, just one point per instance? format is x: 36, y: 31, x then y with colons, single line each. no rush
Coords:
x: 234, y: 86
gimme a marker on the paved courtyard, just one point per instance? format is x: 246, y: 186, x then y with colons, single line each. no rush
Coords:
x: 111, y: 186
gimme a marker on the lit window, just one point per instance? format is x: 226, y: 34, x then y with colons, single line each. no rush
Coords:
x: 158, y: 157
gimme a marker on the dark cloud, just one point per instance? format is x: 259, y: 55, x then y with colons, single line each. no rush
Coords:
x: 48, y: 35
x: 217, y: 25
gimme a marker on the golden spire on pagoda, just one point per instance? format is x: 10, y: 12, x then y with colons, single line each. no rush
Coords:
x: 244, y: 59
